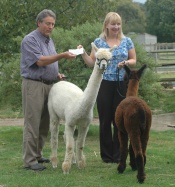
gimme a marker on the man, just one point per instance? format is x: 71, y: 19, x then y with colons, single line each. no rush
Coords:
x: 39, y: 70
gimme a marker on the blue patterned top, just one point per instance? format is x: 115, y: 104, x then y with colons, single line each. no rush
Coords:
x: 119, y: 54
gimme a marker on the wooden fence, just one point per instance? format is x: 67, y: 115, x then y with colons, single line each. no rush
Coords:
x: 159, y: 47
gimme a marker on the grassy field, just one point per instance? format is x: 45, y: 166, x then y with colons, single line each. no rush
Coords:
x: 160, y: 167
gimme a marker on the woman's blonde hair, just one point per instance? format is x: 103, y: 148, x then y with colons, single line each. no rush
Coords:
x: 111, y: 17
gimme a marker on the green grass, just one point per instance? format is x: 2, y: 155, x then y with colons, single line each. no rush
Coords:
x: 159, y: 168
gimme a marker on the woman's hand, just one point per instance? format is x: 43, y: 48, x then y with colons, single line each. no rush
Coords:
x: 121, y: 64
x: 79, y: 47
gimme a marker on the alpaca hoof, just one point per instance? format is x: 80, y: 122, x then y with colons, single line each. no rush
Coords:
x: 81, y: 164
x: 54, y: 162
x: 121, y: 168
x: 141, y: 179
x: 74, y: 161
x: 65, y: 172
x: 133, y: 167
x: 66, y: 167
x: 54, y: 166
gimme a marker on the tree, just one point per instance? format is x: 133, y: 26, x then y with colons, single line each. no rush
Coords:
x: 133, y: 16
x: 78, y: 22
x: 160, y: 19
x: 76, y: 70
x: 18, y: 17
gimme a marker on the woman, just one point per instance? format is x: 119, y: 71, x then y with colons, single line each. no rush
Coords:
x: 113, y: 88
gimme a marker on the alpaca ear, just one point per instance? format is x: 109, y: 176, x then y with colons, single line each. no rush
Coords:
x: 111, y: 49
x: 94, y: 46
x: 141, y: 70
x: 127, y: 69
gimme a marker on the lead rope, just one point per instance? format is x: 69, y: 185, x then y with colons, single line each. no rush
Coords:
x: 119, y: 88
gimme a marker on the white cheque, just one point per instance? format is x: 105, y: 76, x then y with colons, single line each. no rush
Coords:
x: 76, y: 51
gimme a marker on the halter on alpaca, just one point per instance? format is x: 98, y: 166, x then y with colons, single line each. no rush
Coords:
x: 103, y: 56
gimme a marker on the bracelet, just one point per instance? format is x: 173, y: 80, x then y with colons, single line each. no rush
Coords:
x: 127, y: 63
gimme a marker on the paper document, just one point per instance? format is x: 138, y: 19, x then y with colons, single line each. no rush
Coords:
x: 76, y: 51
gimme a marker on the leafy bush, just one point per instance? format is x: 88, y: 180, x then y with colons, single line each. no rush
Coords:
x: 149, y: 89
x: 10, y: 83
x: 76, y: 70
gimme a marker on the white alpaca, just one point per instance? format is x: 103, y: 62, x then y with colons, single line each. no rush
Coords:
x: 68, y: 102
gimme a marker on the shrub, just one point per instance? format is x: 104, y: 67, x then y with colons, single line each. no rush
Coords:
x: 10, y: 83
x: 76, y: 70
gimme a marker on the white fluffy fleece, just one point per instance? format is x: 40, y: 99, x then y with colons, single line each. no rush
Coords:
x: 69, y: 103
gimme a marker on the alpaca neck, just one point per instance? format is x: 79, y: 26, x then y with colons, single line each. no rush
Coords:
x: 92, y: 88
x: 133, y: 87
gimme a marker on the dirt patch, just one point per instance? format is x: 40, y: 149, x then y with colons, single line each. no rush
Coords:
x: 159, y: 122
x: 163, y: 122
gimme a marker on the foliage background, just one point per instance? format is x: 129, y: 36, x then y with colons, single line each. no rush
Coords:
x: 79, y: 22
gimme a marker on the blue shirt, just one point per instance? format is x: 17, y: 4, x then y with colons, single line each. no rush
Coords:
x: 119, y: 54
x: 33, y: 47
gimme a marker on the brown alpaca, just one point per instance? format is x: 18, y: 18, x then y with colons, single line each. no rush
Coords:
x: 133, y: 118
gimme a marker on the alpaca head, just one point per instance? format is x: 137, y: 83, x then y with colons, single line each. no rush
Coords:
x: 103, y: 56
x: 134, y: 74
x: 132, y: 78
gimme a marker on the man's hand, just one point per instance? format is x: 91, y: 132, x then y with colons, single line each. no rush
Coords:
x: 61, y: 76
x: 69, y: 55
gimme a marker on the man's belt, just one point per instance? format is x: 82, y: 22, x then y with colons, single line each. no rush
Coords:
x: 48, y: 82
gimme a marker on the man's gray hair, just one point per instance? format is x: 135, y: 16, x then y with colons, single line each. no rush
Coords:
x: 43, y: 14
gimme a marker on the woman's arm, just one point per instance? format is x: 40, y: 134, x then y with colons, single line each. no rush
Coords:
x: 131, y: 59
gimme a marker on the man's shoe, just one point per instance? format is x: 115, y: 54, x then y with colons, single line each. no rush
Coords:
x: 43, y: 160
x: 36, y: 167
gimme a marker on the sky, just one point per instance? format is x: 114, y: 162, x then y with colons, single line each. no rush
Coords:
x: 140, y: 1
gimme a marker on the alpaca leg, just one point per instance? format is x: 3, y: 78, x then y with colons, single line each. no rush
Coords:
x: 73, y: 157
x: 144, y: 140
x: 66, y: 166
x: 123, y: 138
x: 82, y: 132
x: 132, y: 158
x: 140, y: 166
x: 137, y: 147
x: 54, y: 141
